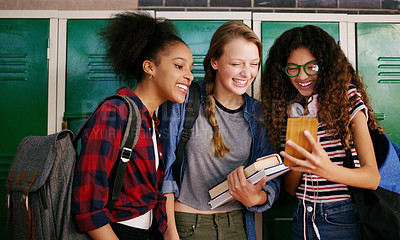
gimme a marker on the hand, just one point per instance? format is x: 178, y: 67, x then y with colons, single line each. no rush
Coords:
x: 245, y: 192
x: 317, y: 162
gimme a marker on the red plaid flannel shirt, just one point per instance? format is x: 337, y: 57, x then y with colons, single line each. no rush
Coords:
x: 99, y: 153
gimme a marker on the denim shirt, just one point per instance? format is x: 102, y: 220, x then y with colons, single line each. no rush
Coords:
x: 171, y: 126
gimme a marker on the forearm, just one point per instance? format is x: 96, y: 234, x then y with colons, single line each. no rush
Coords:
x: 171, y: 233
x: 292, y: 180
x: 367, y: 176
x: 363, y: 177
x: 105, y: 232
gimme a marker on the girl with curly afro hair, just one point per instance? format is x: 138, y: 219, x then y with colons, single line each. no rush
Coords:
x: 146, y: 52
x: 307, y: 74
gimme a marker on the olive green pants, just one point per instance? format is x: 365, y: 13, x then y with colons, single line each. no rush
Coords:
x: 220, y: 226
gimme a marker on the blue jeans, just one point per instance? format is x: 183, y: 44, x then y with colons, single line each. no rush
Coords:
x: 335, y: 220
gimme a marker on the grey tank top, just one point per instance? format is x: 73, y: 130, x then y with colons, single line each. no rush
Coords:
x: 203, y: 170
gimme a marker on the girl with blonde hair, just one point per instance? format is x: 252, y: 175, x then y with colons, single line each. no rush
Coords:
x: 227, y: 135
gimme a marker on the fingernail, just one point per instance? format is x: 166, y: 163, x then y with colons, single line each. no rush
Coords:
x: 289, y: 142
x: 307, y: 132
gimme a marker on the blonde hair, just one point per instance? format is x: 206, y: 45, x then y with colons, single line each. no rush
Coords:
x: 223, y: 35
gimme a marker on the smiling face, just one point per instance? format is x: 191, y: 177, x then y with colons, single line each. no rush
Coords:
x: 172, y: 74
x: 302, y: 82
x: 237, y: 67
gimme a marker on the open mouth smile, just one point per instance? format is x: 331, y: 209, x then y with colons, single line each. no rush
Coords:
x: 182, y: 86
x: 306, y: 84
x: 240, y: 82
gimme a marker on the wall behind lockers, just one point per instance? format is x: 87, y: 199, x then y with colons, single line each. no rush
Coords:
x: 53, y: 71
x: 308, y: 6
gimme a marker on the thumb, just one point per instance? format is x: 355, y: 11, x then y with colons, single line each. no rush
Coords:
x: 261, y: 183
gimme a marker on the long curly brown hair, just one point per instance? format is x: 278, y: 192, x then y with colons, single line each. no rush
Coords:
x: 335, y: 75
x: 224, y: 34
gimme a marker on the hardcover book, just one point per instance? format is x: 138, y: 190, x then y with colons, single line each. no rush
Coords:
x: 270, y: 166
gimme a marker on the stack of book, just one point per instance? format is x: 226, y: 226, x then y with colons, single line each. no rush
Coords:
x: 270, y: 166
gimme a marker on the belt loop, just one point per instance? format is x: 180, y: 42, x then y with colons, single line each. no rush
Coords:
x: 322, y: 208
x: 229, y: 215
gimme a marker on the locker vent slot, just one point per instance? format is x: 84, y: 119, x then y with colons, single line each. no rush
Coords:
x: 100, y: 69
x: 380, y: 116
x: 13, y: 67
x: 198, y: 70
x: 389, y: 70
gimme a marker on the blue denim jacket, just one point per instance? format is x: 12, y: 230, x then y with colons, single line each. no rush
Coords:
x: 171, y: 126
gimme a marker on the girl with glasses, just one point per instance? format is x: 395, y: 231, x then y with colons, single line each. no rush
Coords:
x: 307, y: 74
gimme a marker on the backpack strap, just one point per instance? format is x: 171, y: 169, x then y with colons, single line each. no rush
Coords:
x: 381, y: 146
x: 191, y: 113
x: 354, y: 192
x: 131, y: 107
x: 10, y: 180
x: 127, y: 145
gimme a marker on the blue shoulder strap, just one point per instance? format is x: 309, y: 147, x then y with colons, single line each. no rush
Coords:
x: 390, y: 177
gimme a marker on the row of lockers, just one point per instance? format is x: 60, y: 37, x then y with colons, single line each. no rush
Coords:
x: 53, y: 69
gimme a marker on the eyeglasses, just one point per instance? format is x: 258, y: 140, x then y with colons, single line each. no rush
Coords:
x: 293, y: 70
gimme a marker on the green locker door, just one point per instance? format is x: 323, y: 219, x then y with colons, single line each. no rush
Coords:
x: 197, y: 35
x: 277, y: 221
x: 89, y: 76
x: 272, y: 30
x: 378, y: 60
x: 23, y: 89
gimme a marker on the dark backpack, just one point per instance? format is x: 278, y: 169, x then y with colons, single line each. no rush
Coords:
x: 379, y: 209
x: 191, y: 113
x: 39, y: 184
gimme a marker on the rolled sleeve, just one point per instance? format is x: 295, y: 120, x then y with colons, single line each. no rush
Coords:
x: 171, y: 128
x: 93, y: 220
x: 98, y: 155
x: 272, y: 189
x: 263, y: 148
x: 170, y: 186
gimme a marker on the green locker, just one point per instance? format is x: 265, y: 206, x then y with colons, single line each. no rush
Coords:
x: 277, y: 221
x: 272, y: 30
x: 89, y: 76
x: 23, y: 89
x: 378, y: 60
x: 197, y: 35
